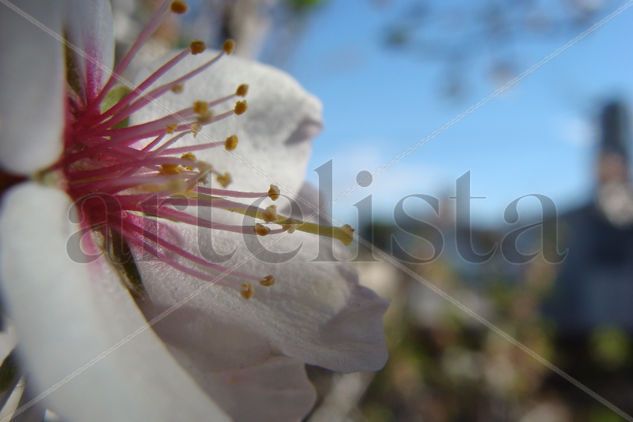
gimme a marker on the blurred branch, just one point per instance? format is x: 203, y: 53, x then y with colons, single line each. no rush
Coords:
x: 459, y: 35
x: 262, y: 28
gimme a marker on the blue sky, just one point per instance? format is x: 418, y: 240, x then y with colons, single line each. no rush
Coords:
x: 536, y: 138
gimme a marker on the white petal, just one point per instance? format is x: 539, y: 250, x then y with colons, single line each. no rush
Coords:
x: 277, y: 389
x: 274, y: 133
x: 32, y: 75
x: 224, y: 344
x: 67, y: 314
x: 316, y: 312
x: 91, y: 33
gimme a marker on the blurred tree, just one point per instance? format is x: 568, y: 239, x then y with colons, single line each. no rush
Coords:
x: 463, y: 36
x: 262, y: 27
x: 267, y: 29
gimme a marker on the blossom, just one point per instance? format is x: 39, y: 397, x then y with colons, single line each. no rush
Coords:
x: 124, y: 168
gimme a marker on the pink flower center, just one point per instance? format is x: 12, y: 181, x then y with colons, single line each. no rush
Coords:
x: 126, y: 178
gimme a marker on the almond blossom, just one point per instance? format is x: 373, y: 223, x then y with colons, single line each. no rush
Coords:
x: 161, y: 200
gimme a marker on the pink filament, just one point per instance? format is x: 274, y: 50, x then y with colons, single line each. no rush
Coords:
x: 139, y: 166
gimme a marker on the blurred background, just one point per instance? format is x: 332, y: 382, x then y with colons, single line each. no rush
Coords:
x: 527, y: 101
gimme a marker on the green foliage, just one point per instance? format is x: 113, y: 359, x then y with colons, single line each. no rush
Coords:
x: 9, y: 372
x: 610, y: 347
x: 301, y: 6
x: 113, y: 97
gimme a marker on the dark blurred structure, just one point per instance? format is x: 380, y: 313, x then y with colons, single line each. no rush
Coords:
x: 591, y: 306
x: 595, y: 286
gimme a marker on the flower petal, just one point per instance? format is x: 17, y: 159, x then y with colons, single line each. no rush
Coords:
x: 224, y: 344
x: 71, y: 319
x: 90, y: 31
x: 277, y: 389
x: 274, y: 133
x: 32, y: 75
x: 316, y: 312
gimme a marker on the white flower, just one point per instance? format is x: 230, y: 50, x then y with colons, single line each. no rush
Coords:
x: 231, y: 347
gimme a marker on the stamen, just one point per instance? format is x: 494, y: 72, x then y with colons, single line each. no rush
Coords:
x: 290, y: 228
x: 229, y: 46
x: 242, y: 90
x: 197, y: 47
x: 267, y: 281
x: 195, y: 128
x: 200, y: 107
x: 224, y: 179
x: 179, y: 7
x: 270, y: 214
x: 240, y: 107
x: 274, y: 192
x: 189, y: 156
x: 348, y: 231
x: 190, y: 148
x: 145, y: 34
x: 114, y: 112
x: 142, y: 164
x: 175, y: 264
x: 171, y: 128
x: 205, y: 118
x: 169, y: 169
x: 231, y: 143
x: 231, y: 193
x: 261, y: 230
x: 247, y: 291
x: 157, y: 92
x: 189, y: 256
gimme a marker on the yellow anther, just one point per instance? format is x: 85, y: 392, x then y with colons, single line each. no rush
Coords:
x: 261, y: 230
x: 177, y: 89
x: 267, y: 281
x: 195, y: 128
x: 228, y: 46
x: 171, y: 128
x: 189, y: 156
x: 231, y: 143
x: 179, y: 7
x: 274, y: 192
x: 290, y: 228
x: 197, y: 47
x: 348, y: 233
x: 270, y: 214
x: 200, y: 107
x: 224, y: 179
x: 205, y: 118
x: 242, y: 90
x: 246, y: 290
x: 240, y: 107
x: 170, y: 169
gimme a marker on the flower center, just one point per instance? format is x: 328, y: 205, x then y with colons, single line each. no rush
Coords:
x: 125, y: 179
